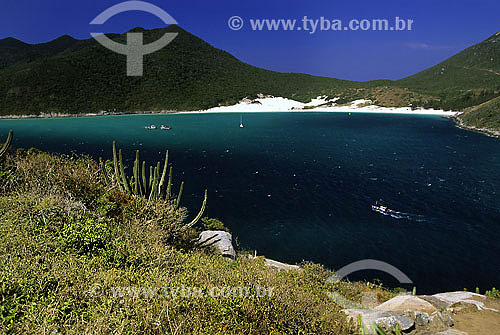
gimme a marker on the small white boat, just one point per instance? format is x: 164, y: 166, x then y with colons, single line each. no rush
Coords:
x: 381, y: 209
x: 241, y: 122
x: 163, y: 127
x: 151, y: 127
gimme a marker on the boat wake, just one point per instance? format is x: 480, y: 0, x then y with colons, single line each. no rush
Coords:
x: 407, y: 216
x: 397, y: 215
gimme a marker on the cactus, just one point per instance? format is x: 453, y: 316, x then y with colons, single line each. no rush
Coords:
x: 169, y: 186
x: 156, y: 182
x: 178, y: 201
x: 122, y: 172
x: 6, y: 145
x: 144, y: 184
x: 200, y: 214
x: 115, y: 162
x: 102, y: 169
x: 162, y: 180
x: 153, y: 188
x: 137, y: 184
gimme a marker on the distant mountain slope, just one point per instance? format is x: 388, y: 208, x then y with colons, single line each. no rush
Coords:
x: 187, y: 74
x: 475, y: 67
x: 484, y: 116
x: 81, y: 76
x: 13, y: 51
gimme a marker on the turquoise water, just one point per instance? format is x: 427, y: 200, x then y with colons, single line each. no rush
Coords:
x: 299, y: 186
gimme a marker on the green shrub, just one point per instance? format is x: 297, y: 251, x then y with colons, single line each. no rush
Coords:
x: 87, y: 234
x: 213, y: 224
x: 493, y: 293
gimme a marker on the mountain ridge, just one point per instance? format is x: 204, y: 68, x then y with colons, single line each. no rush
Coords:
x: 74, y: 76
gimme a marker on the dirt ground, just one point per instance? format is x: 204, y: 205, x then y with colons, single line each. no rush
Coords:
x: 476, y: 322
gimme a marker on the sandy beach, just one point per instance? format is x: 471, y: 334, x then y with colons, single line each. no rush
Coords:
x: 267, y: 105
x: 320, y: 104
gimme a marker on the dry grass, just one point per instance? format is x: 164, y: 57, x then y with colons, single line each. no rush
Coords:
x: 68, y: 242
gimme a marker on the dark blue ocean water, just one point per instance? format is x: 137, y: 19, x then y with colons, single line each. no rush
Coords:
x: 299, y: 186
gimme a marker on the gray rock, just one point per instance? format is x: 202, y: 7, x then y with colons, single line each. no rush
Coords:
x: 452, y: 332
x: 402, y: 303
x: 453, y: 297
x: 384, y: 319
x: 436, y: 302
x: 421, y: 319
x: 280, y: 266
x: 441, y: 321
x: 220, y: 241
x: 464, y: 297
x: 387, y: 322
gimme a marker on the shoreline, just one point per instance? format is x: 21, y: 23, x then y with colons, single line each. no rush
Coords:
x: 340, y: 110
x: 485, y: 131
x: 343, y: 109
x: 268, y: 104
x: 67, y: 115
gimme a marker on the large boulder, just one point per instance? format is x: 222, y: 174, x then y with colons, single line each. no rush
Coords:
x: 402, y: 303
x: 278, y: 266
x: 436, y: 302
x: 462, y: 297
x: 384, y: 319
x: 422, y: 319
x: 441, y: 320
x: 218, y: 240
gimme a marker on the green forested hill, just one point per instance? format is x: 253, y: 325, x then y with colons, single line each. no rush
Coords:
x: 13, y: 51
x: 466, y: 79
x: 81, y: 76
x: 485, y: 116
x: 187, y: 74
x: 475, y: 67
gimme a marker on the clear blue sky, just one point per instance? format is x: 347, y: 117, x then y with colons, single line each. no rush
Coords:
x: 441, y: 29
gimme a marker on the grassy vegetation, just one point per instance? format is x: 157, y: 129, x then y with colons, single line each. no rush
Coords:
x: 73, y: 246
x: 486, y: 115
x: 466, y: 79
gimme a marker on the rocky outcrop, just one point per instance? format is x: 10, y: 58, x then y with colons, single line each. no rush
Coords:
x: 404, y: 302
x: 430, y: 315
x: 275, y: 265
x: 278, y: 266
x: 220, y: 241
x: 386, y: 320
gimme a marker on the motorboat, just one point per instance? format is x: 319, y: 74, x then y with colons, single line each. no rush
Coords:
x: 381, y: 209
x: 163, y: 127
x: 151, y: 127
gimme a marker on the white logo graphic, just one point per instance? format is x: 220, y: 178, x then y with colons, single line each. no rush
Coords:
x: 235, y: 23
x: 366, y: 264
x: 135, y: 50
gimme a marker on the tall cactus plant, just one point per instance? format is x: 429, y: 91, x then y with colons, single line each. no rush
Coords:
x: 152, y: 188
x: 200, y: 213
x: 6, y: 145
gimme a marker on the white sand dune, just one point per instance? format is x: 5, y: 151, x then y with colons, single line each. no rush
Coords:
x: 278, y: 104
